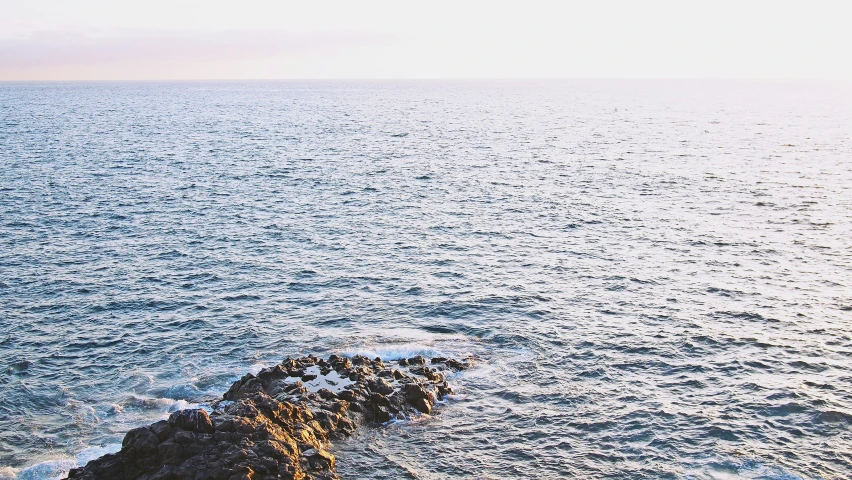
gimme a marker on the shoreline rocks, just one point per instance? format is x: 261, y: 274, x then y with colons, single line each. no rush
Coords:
x: 278, y: 423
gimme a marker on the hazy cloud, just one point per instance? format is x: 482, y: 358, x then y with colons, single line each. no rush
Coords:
x: 69, y: 49
x: 164, y: 39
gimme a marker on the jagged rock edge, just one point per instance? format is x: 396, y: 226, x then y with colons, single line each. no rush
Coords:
x: 271, y: 426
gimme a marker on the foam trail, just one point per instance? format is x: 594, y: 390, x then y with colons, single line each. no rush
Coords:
x: 402, y: 350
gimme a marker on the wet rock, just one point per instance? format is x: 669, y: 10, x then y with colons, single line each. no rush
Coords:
x: 271, y: 426
x: 326, y: 394
x: 360, y: 360
x: 379, y: 400
x: 340, y: 363
x: 423, y: 405
x: 161, y: 429
x: 443, y: 390
x: 432, y: 375
x: 456, y: 365
x: 319, y: 459
x: 379, y: 385
x: 195, y: 420
x: 417, y: 360
x: 383, y: 414
x: 347, y: 395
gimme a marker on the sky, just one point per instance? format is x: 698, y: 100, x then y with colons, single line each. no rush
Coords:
x: 347, y: 39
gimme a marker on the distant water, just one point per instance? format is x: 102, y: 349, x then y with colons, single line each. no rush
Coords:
x: 656, y: 276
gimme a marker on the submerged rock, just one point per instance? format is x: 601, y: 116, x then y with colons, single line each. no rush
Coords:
x: 274, y: 425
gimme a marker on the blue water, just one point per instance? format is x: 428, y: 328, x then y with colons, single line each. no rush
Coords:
x: 655, y: 276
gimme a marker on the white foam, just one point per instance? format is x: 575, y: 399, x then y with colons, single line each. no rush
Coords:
x: 91, y: 453
x: 183, y: 391
x: 255, y: 368
x: 333, y: 381
x: 167, y: 405
x: 8, y: 473
x: 395, y: 351
x: 745, y: 470
x: 58, y: 468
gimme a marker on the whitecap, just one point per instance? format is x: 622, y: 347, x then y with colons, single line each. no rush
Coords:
x: 57, y: 468
x: 744, y: 470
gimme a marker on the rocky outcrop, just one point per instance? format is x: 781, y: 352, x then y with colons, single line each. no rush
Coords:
x: 277, y: 424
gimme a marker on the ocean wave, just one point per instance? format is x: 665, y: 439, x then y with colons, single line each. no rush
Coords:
x: 58, y: 468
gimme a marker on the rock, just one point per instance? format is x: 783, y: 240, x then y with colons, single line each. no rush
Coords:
x: 379, y: 400
x: 326, y: 394
x: 347, y: 395
x: 456, y: 365
x: 383, y: 414
x: 319, y: 459
x: 433, y: 375
x: 161, y: 429
x: 339, y: 407
x: 272, y: 426
x: 360, y: 360
x: 379, y: 385
x: 140, y: 442
x: 414, y: 391
x: 423, y: 405
x: 443, y: 390
x: 193, y: 420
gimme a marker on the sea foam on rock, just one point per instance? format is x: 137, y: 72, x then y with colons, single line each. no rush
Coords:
x: 276, y: 424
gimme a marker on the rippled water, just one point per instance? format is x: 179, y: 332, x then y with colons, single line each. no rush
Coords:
x: 656, y: 276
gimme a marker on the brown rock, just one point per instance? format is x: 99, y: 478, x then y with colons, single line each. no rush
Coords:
x: 271, y: 427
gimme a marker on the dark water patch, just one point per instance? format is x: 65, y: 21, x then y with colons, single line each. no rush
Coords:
x: 439, y: 329
x: 750, y: 316
x: 833, y: 416
x: 822, y: 386
x: 240, y: 297
x: 802, y: 365
x: 784, y: 410
x: 757, y: 364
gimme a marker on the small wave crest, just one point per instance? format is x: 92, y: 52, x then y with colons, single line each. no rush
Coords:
x: 740, y: 470
x: 57, y: 468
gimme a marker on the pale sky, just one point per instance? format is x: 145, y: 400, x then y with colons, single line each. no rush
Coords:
x: 279, y: 39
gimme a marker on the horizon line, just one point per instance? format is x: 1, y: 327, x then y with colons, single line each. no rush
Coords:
x: 421, y: 79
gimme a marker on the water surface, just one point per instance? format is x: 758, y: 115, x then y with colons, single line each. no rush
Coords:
x: 656, y: 276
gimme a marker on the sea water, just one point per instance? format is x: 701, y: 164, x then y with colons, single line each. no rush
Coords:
x: 654, y: 276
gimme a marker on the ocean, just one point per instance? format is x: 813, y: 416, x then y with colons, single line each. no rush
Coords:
x: 654, y: 276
